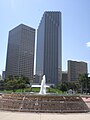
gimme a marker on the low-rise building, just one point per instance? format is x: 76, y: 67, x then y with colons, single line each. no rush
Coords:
x: 64, y: 76
x: 75, y: 68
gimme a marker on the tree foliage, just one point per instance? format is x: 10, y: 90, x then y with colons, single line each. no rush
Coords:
x: 13, y: 83
x: 84, y: 81
x: 65, y: 86
x: 62, y: 86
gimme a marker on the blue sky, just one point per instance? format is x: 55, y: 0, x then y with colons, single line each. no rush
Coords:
x: 75, y: 25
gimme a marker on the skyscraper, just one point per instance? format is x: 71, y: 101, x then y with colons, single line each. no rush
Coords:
x: 49, y: 48
x: 20, y: 52
x: 75, y: 68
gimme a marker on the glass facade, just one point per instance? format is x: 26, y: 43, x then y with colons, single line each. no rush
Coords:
x: 20, y: 52
x: 48, y: 54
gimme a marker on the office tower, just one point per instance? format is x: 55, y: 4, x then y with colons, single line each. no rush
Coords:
x: 3, y: 75
x: 75, y: 68
x: 0, y: 77
x: 20, y: 52
x: 48, y: 54
x: 64, y: 76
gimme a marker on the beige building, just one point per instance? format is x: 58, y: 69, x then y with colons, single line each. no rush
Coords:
x: 75, y: 68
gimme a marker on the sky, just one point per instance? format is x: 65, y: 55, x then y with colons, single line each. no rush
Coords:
x: 75, y: 25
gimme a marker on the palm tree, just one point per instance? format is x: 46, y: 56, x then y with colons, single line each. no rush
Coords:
x: 84, y: 80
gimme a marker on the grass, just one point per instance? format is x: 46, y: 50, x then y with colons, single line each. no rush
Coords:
x: 36, y: 90
x: 49, y: 90
x: 54, y: 90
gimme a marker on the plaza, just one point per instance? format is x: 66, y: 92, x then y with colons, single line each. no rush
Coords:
x: 6, y: 115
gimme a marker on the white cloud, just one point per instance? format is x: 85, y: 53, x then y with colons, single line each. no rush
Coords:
x: 88, y: 44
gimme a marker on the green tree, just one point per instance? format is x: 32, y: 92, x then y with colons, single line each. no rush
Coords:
x: 17, y: 82
x: 73, y: 85
x: 11, y: 85
x: 1, y: 85
x: 62, y: 86
x: 84, y: 81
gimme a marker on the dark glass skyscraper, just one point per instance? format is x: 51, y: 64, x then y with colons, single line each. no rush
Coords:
x: 20, y: 51
x: 49, y: 48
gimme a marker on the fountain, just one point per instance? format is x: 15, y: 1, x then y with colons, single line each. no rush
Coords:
x: 42, y: 102
x: 43, y: 86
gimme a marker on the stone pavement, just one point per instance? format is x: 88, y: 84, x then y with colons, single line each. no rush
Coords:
x: 6, y: 115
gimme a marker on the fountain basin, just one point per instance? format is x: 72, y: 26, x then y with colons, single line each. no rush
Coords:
x: 42, y: 103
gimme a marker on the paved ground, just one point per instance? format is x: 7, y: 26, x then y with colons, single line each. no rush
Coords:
x: 87, y: 101
x: 42, y: 116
